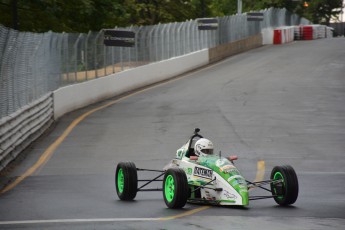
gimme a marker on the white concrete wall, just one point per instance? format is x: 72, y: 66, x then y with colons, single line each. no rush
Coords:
x: 76, y: 96
x: 267, y: 36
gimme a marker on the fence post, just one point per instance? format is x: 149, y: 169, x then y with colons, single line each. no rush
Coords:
x: 178, y: 41
x: 163, y: 41
x: 96, y: 64
x: 151, y: 38
x: 87, y: 55
x: 75, y: 49
x: 156, y: 43
x: 137, y: 34
x: 105, y: 58
x: 173, y: 43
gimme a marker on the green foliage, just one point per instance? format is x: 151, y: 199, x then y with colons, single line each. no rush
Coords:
x: 223, y: 7
x: 318, y: 11
x: 85, y: 15
x: 150, y: 12
x: 64, y: 15
x: 322, y: 11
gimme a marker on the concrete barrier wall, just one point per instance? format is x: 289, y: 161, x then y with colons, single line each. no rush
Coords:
x: 267, y: 36
x: 225, y: 50
x: 76, y: 96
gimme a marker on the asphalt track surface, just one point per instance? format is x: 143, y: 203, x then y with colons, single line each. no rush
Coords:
x: 276, y: 104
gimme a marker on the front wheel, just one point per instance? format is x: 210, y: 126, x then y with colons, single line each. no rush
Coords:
x: 175, y: 188
x: 126, y: 180
x: 285, y: 185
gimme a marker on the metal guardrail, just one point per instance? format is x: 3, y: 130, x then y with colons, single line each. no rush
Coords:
x: 23, y: 127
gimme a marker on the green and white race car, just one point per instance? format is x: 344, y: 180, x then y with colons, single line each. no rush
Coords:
x: 205, y: 179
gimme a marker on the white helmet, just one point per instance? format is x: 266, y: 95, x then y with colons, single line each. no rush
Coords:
x: 203, y: 147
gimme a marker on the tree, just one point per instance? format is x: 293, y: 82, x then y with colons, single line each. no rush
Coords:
x: 223, y: 7
x: 85, y: 15
x: 265, y: 4
x: 150, y: 12
x: 322, y: 11
x: 64, y: 15
x: 318, y: 11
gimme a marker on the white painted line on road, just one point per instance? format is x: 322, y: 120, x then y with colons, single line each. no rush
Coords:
x: 56, y: 221
x: 76, y: 221
x: 320, y: 173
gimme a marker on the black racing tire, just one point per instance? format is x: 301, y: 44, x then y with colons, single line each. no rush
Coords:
x: 126, y: 180
x: 286, y: 192
x: 175, y: 188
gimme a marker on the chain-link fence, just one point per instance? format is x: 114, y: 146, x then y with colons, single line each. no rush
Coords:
x: 32, y: 64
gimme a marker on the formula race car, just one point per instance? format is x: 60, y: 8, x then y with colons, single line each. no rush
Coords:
x: 202, y: 177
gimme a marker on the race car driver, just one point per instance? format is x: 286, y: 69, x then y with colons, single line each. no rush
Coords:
x: 203, y: 147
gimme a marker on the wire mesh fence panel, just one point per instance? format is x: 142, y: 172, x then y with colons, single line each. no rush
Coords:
x: 32, y: 64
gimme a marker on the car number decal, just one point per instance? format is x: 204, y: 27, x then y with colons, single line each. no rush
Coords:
x: 204, y: 173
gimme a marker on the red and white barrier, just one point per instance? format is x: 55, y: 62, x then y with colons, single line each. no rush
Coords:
x: 288, y: 34
x: 283, y: 35
x: 280, y: 35
x: 312, y: 32
x: 309, y: 33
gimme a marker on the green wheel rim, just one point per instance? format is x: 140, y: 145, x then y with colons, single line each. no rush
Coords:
x: 278, y: 176
x: 169, y: 188
x: 120, y: 180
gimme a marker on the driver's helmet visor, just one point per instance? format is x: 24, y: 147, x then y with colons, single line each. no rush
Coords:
x: 207, y: 151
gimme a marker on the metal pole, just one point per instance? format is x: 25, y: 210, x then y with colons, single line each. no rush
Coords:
x: 105, y: 60
x: 129, y: 64
x: 95, y: 56
x: 76, y: 58
x: 137, y: 40
x: 162, y: 34
x: 87, y: 55
x: 239, y: 6
x: 342, y: 21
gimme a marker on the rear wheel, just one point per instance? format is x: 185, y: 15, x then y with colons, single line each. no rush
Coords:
x: 285, y: 185
x: 175, y: 188
x: 126, y: 180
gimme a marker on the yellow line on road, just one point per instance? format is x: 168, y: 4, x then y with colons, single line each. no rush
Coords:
x: 260, y: 173
x: 51, y: 149
x: 187, y: 213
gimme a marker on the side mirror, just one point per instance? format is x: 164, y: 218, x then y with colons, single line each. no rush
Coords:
x: 232, y: 158
x: 194, y: 158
